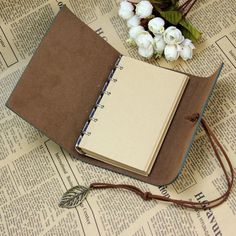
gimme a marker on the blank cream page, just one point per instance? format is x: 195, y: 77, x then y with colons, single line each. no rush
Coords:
x: 132, y: 124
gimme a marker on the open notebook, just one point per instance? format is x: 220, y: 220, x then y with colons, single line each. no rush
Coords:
x: 131, y: 116
x: 60, y: 86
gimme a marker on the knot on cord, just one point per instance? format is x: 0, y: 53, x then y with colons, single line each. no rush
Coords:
x: 193, y: 117
x: 147, y: 196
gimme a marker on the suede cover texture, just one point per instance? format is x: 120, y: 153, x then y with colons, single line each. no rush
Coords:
x: 59, y: 88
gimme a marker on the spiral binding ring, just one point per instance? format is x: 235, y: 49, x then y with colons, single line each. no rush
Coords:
x: 93, y: 119
x: 107, y: 93
x: 92, y: 113
x: 110, y: 76
x: 120, y: 67
x: 85, y: 127
x: 86, y: 133
x: 98, y: 105
x: 98, y: 99
x: 117, y: 64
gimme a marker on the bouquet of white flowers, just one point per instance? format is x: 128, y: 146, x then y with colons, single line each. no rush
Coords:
x: 159, y: 27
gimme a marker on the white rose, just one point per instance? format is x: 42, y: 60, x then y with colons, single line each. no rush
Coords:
x: 133, y: 21
x: 186, y: 51
x: 144, y: 9
x: 156, y: 25
x: 126, y: 10
x: 188, y: 42
x: 146, y: 52
x: 144, y: 40
x: 159, y: 44
x: 135, y: 31
x: 172, y: 35
x: 171, y: 52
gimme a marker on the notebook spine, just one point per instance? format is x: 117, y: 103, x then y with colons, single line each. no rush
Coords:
x: 98, y: 105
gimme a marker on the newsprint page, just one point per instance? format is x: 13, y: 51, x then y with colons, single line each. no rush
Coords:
x: 35, y: 172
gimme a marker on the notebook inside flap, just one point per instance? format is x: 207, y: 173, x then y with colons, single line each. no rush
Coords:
x: 63, y: 79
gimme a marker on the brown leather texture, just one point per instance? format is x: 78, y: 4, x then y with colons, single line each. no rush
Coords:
x: 59, y: 88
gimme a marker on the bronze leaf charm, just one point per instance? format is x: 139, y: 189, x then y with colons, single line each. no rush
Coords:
x: 74, y: 197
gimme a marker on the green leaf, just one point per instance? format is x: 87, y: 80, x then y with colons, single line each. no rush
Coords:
x: 174, y: 2
x: 188, y: 35
x: 174, y: 17
x: 74, y: 197
x: 189, y: 31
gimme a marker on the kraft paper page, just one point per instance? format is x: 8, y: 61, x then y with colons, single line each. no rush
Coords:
x: 131, y: 126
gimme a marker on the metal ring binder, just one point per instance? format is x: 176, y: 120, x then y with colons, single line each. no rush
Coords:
x: 119, y: 67
x: 93, y: 119
x: 86, y: 133
x: 107, y: 92
x: 100, y: 105
x: 97, y: 104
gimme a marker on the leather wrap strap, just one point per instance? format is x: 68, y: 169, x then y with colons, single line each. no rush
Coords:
x: 216, y: 145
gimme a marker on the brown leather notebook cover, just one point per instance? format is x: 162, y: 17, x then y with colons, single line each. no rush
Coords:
x: 60, y: 86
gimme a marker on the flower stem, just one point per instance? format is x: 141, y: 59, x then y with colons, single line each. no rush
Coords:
x: 186, y: 7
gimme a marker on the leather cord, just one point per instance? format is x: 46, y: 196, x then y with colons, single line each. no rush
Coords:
x: 216, y: 145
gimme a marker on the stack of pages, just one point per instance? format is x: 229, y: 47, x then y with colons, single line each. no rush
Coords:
x: 130, y: 121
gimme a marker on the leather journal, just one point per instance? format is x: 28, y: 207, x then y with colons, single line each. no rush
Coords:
x: 63, y: 83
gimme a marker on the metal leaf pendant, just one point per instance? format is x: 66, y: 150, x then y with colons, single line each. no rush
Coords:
x: 74, y: 197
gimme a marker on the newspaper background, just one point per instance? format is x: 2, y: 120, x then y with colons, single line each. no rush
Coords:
x: 35, y: 172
